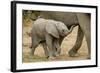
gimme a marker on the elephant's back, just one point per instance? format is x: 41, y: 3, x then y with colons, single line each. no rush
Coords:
x: 39, y: 21
x: 39, y: 27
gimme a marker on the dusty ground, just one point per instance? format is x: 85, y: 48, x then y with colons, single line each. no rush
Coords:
x: 67, y: 44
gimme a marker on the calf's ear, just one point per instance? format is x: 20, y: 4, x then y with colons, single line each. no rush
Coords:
x: 52, y: 30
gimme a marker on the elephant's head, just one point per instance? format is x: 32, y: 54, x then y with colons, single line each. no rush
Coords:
x: 63, y: 29
x: 57, y: 29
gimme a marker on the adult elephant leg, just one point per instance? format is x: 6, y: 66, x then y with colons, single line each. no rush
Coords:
x: 88, y: 39
x: 84, y: 20
x: 78, y: 43
x: 45, y: 49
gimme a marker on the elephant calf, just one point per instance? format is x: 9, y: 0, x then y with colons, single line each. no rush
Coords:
x: 47, y: 32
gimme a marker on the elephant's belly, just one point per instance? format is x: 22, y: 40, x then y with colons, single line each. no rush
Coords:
x: 41, y: 35
x: 68, y: 18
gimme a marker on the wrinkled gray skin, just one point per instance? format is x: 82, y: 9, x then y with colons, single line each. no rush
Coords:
x: 70, y: 19
x: 48, y: 32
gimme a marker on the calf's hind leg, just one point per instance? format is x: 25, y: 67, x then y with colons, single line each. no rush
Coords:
x: 34, y: 45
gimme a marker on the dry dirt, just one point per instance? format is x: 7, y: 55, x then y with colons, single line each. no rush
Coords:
x: 67, y: 44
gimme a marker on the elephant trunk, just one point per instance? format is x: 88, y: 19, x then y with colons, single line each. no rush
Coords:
x: 70, y: 30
